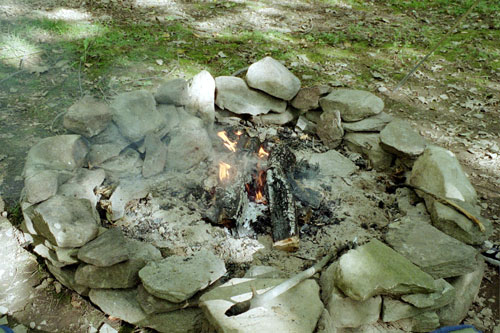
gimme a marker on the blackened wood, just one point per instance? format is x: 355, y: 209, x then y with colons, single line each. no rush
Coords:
x: 282, y: 157
x: 284, y: 222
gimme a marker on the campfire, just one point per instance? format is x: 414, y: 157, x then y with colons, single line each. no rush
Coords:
x: 151, y: 190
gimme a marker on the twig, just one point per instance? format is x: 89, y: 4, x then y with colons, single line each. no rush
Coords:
x: 12, y: 75
x: 55, y: 119
x: 261, y: 299
x: 447, y: 202
x: 239, y: 71
x: 80, y: 78
x: 413, y: 70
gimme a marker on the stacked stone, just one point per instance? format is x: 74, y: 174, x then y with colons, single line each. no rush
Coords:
x: 59, y: 202
x: 375, y: 284
x: 427, y: 277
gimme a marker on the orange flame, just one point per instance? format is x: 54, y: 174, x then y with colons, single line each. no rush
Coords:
x: 231, y: 145
x: 263, y: 153
x: 259, y: 197
x: 224, y: 170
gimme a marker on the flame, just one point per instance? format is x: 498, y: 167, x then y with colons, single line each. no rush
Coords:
x: 238, y: 133
x: 224, y: 170
x: 259, y: 197
x: 231, y: 145
x: 263, y: 153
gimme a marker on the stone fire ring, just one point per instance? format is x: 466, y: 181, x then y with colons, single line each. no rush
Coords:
x: 119, y: 151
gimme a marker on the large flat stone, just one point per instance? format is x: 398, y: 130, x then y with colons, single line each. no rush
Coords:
x: 118, y: 303
x: 106, y: 250
x: 152, y: 304
x: 189, y: 144
x: 65, y: 221
x: 297, y: 310
x: 329, y: 129
x: 156, y: 156
x: 368, y: 145
x: 87, y: 117
x: 399, y: 138
x: 332, y: 164
x: 455, y: 224
x: 308, y: 98
x: 189, y: 320
x: 61, y: 152
x: 272, y: 77
x: 121, y: 275
x: 177, y: 278
x: 371, y: 124
x: 83, y: 184
x: 135, y: 114
x: 353, y: 105
x: 124, y: 193
x: 439, y: 172
x: 66, y: 275
x: 466, y: 288
x: 128, y: 164
x: 41, y: 186
x: 346, y: 312
x: 173, y: 91
x: 433, y: 251
x: 273, y: 118
x: 416, y: 304
x: 375, y: 269
x: 234, y: 95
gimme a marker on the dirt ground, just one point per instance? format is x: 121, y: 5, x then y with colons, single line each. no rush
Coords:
x: 453, y: 103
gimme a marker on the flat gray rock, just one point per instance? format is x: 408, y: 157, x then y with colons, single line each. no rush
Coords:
x: 424, y: 322
x: 171, y: 115
x: 110, y: 135
x: 172, y: 92
x: 118, y: 303
x: 83, y: 184
x: 272, y: 77
x: 329, y: 129
x: 181, y: 321
x: 379, y: 270
x: 61, y: 152
x: 121, y: 275
x: 332, y: 164
x: 127, y: 164
x: 107, y: 249
x: 346, y: 312
x: 466, y: 290
x: 65, y: 221
x: 305, y: 125
x: 353, y: 104
x: 156, y: 156
x: 275, y: 118
x: 41, y: 186
x: 234, y: 95
x: 368, y: 145
x: 66, y: 276
x: 399, y: 138
x: 152, y: 304
x: 433, y: 251
x: 189, y: 144
x: 201, y: 97
x: 444, y: 295
x: 297, y: 310
x: 87, y: 117
x: 177, y: 278
x: 308, y: 98
x: 135, y: 114
x: 371, y: 124
x: 100, y: 153
x: 125, y: 192
x: 455, y: 224
x: 439, y: 172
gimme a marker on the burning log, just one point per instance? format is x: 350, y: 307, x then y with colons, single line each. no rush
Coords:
x: 284, y: 221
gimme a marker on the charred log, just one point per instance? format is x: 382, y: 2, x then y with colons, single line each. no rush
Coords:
x: 284, y: 221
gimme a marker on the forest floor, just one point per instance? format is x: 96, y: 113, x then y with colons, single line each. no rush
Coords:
x: 52, y: 52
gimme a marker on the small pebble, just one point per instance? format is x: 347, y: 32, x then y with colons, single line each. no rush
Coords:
x: 484, y: 205
x: 4, y: 214
x: 32, y: 325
